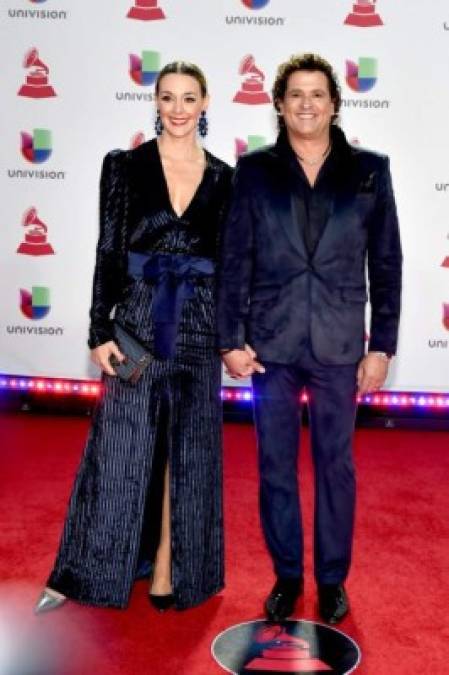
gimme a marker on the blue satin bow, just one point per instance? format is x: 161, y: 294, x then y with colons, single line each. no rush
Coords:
x: 173, y: 276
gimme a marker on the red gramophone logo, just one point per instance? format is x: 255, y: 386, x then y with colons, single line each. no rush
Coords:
x: 284, y: 653
x: 364, y: 14
x: 446, y: 315
x: 137, y: 140
x: 35, y: 242
x: 36, y: 84
x: 146, y: 10
x: 252, y: 88
x: 295, y: 647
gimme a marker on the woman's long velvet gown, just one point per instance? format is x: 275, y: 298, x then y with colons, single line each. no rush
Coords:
x: 174, y: 410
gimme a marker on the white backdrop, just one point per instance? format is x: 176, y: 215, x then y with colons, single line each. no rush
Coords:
x: 396, y: 102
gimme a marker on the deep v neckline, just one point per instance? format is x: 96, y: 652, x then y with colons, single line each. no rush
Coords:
x: 180, y: 216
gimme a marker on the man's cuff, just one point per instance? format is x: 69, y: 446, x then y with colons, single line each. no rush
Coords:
x: 385, y: 356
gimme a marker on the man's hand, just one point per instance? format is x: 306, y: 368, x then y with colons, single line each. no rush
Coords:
x: 372, y: 373
x: 101, y: 355
x: 241, y: 363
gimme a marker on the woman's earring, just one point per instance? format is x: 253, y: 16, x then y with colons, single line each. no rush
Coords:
x: 203, y: 124
x: 158, y: 126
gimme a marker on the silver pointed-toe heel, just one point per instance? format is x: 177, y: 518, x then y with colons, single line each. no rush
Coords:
x: 47, y: 602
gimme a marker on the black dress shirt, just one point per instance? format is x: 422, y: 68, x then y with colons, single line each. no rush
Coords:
x: 312, y: 203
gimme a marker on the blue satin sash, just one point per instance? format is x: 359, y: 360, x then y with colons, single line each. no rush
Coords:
x: 173, y: 276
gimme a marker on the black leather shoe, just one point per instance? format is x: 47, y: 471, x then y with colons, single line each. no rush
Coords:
x: 162, y: 602
x: 333, y: 602
x: 280, y: 604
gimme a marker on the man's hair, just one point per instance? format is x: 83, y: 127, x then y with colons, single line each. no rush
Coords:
x: 310, y: 62
x: 183, y: 68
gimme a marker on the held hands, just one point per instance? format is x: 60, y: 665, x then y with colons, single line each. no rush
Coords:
x: 101, y: 355
x: 241, y: 363
x: 372, y: 373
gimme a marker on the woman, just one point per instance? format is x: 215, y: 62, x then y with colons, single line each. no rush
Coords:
x: 147, y: 496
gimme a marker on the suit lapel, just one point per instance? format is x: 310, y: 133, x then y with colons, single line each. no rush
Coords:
x: 345, y: 189
x: 288, y: 208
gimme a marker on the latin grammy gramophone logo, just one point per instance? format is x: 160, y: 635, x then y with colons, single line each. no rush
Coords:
x: 136, y: 140
x: 252, y: 143
x: 35, y: 242
x: 294, y: 647
x: 146, y: 10
x: 364, y: 15
x: 251, y: 90
x: 36, y: 83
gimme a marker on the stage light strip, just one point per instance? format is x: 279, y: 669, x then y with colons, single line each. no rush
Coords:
x: 41, y: 385
x: 380, y: 399
x: 92, y: 388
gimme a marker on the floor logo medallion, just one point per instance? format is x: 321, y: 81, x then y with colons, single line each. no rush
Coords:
x: 293, y: 647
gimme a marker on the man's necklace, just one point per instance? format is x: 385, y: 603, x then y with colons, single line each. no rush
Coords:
x: 315, y: 160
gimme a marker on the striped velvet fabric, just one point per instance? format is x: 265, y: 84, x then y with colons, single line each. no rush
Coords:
x: 173, y: 412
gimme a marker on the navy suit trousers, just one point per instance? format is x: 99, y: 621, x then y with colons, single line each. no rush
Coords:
x: 332, y: 405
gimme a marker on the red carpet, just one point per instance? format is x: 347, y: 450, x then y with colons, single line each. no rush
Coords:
x: 399, y: 586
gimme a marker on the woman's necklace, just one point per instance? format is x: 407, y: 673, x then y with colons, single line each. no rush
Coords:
x: 315, y: 160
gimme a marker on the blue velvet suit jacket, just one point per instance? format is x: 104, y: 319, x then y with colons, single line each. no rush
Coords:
x: 275, y: 296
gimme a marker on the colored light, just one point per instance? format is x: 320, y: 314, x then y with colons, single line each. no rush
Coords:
x: 238, y: 395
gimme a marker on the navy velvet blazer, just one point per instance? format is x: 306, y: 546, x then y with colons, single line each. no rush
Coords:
x: 277, y: 298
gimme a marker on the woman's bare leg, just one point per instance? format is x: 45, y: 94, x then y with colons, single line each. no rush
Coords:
x: 161, y: 583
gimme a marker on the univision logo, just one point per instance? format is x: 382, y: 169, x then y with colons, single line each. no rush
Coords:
x: 36, y: 148
x: 37, y: 13
x: 255, y: 4
x: 446, y: 315
x: 248, y: 20
x: 145, y: 69
x: 35, y: 305
x: 252, y: 143
x: 361, y: 76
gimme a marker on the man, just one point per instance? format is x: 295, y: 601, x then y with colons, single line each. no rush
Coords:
x: 307, y: 217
